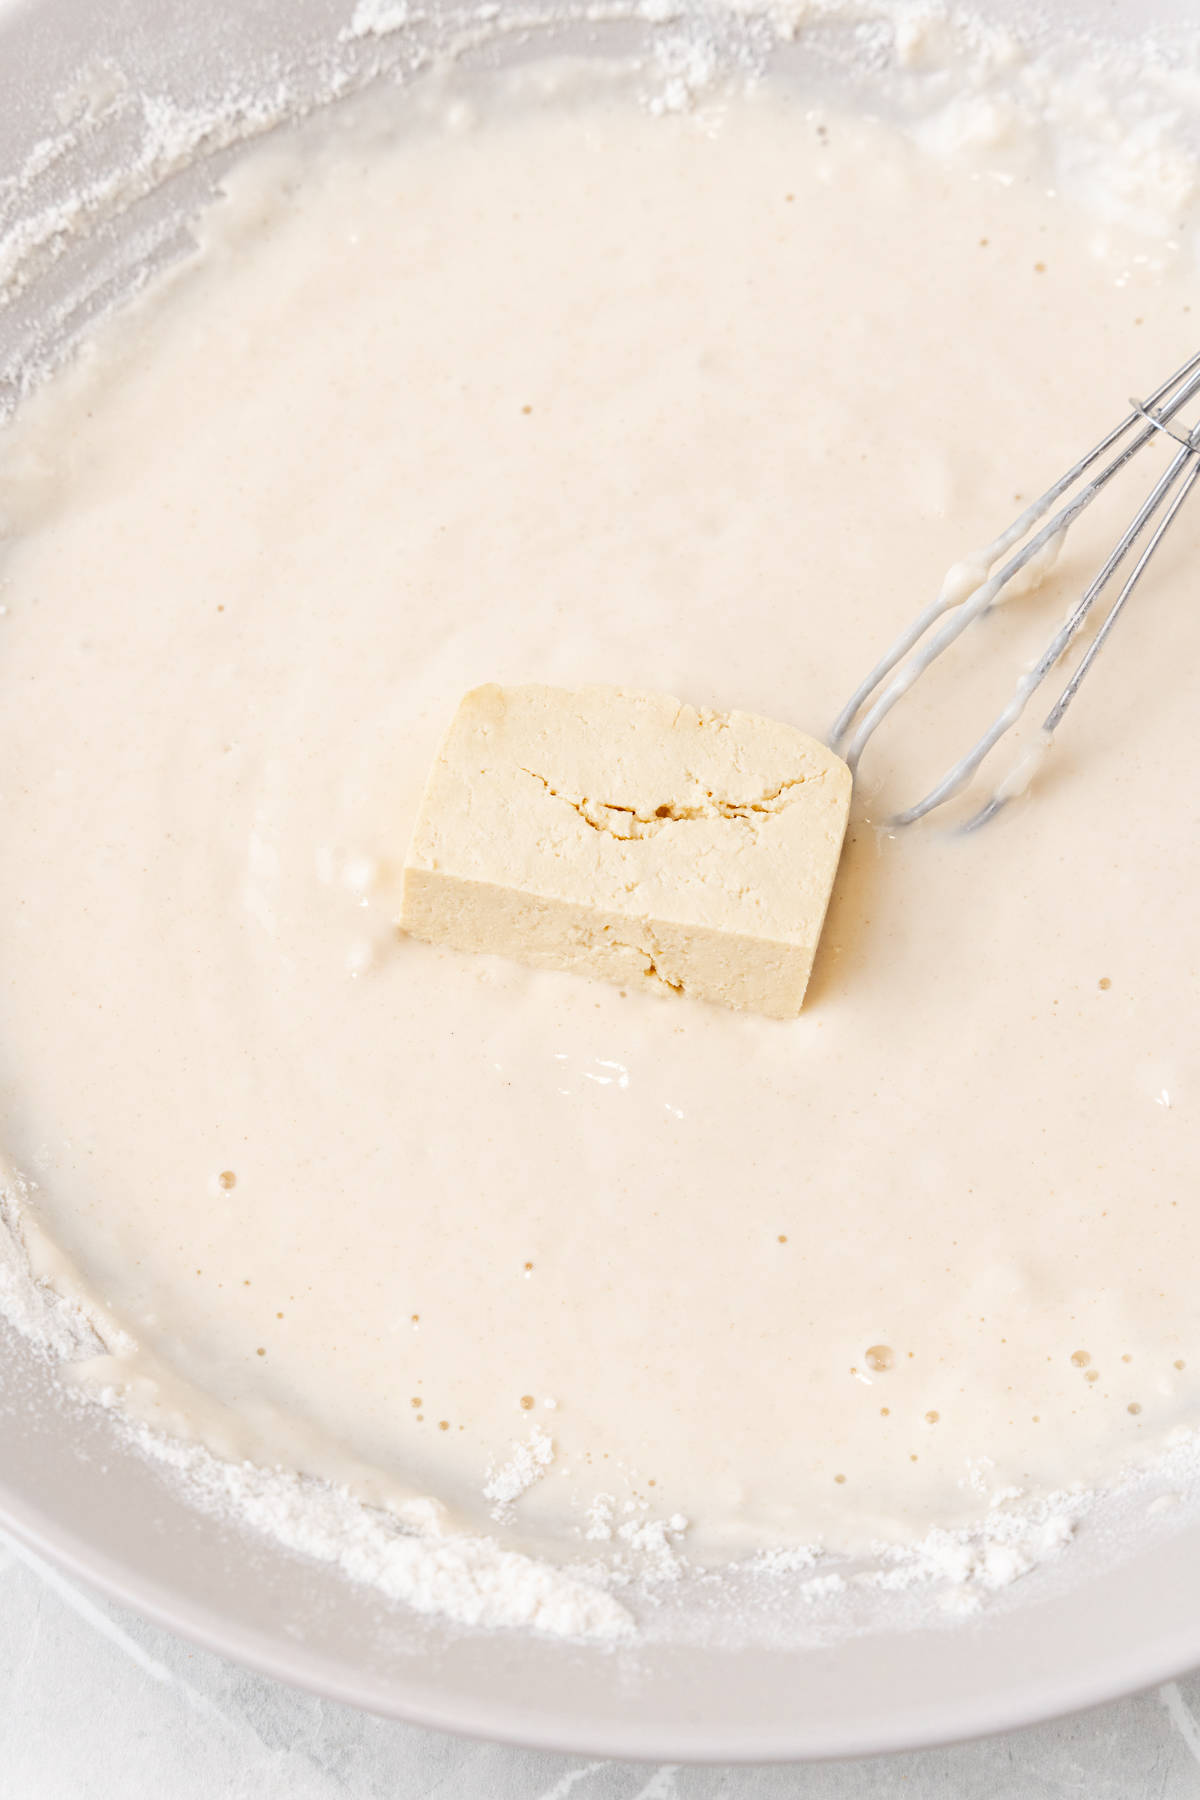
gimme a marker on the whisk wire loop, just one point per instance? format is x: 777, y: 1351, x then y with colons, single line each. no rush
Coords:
x: 970, y: 590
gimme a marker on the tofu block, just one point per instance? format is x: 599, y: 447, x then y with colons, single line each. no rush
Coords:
x: 627, y: 836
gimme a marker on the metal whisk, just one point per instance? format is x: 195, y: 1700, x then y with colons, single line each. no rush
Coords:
x: 971, y: 589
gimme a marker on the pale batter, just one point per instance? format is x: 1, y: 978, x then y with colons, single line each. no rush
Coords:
x: 571, y: 394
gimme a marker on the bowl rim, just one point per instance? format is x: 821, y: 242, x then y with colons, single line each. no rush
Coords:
x: 1126, y: 1668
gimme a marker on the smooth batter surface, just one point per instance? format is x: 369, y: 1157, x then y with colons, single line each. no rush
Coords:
x: 573, y: 394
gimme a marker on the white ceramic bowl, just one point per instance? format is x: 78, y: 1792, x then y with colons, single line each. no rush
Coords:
x: 1105, y: 1622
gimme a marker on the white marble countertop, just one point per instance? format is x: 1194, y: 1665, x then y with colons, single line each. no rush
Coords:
x: 98, y: 1705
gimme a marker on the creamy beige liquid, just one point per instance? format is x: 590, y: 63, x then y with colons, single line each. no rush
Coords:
x: 574, y: 394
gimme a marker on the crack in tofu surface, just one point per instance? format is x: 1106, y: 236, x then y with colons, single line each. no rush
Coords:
x: 626, y: 822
